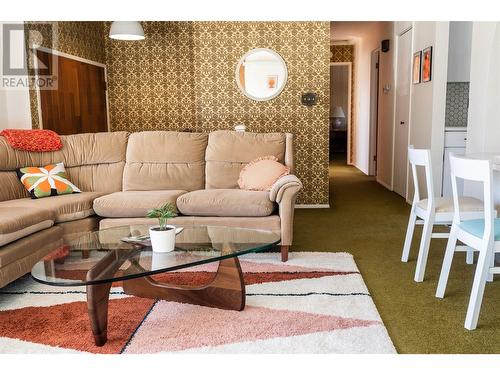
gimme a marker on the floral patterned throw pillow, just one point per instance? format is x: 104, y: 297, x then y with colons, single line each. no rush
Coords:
x: 46, y: 181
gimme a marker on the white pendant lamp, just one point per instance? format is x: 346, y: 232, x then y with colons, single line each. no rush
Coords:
x: 126, y: 30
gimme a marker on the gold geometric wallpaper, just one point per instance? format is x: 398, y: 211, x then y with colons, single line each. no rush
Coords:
x: 182, y: 76
x: 220, y: 105
x: 345, y: 53
x: 151, y: 81
x: 342, y: 53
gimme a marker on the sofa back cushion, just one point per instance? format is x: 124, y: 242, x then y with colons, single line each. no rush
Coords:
x: 165, y: 160
x: 93, y: 162
x: 229, y: 151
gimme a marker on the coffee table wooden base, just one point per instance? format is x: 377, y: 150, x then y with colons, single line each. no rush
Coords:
x: 97, y: 304
x: 226, y: 291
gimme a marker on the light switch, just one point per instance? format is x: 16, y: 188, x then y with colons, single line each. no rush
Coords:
x: 309, y: 98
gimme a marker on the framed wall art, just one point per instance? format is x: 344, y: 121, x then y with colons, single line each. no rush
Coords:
x: 417, y: 62
x: 427, y: 64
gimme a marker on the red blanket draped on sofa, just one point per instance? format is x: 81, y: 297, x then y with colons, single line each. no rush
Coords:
x: 32, y: 140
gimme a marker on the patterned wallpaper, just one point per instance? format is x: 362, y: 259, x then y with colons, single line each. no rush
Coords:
x: 345, y: 53
x: 83, y: 39
x: 151, y: 82
x: 182, y: 76
x: 342, y: 53
x: 220, y: 105
x: 457, y: 104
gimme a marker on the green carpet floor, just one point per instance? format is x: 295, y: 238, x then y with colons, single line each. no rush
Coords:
x: 369, y: 221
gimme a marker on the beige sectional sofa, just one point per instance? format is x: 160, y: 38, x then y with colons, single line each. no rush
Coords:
x: 123, y: 175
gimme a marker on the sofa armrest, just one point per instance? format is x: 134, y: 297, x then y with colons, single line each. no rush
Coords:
x: 279, y: 188
x: 284, y: 192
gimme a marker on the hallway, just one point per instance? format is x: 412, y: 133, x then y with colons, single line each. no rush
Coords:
x: 369, y: 221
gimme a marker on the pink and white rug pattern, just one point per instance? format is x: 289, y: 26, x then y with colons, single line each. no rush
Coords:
x: 314, y: 303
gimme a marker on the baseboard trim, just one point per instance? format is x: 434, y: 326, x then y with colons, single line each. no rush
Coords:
x: 312, y: 206
x: 387, y: 186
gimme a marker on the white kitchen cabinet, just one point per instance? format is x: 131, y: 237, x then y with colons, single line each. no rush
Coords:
x: 454, y: 142
x: 455, y: 138
x: 447, y: 190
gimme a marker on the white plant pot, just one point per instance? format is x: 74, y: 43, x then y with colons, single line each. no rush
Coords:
x: 162, y: 241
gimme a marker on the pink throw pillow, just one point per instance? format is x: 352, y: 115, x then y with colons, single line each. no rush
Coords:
x: 260, y: 174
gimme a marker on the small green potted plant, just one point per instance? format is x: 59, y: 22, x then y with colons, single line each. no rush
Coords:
x: 163, y: 235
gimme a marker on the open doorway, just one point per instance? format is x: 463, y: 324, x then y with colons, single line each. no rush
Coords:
x: 340, y: 111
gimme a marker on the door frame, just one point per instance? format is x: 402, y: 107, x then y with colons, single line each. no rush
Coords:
x: 72, y: 57
x: 396, y: 51
x: 374, y: 96
x: 349, y: 104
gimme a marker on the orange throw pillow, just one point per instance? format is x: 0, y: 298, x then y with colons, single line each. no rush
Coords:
x: 260, y: 174
x: 38, y: 140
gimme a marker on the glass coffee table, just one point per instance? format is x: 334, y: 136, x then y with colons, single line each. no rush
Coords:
x: 97, y: 259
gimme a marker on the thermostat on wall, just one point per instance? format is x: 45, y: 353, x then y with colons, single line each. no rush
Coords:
x: 309, y: 98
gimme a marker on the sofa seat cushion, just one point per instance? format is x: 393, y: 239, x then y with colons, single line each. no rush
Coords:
x: 66, y: 207
x: 134, y: 203
x: 225, y: 202
x: 18, y: 257
x: 271, y: 222
x: 19, y: 222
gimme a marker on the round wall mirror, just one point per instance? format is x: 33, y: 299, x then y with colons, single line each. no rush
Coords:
x: 261, y: 74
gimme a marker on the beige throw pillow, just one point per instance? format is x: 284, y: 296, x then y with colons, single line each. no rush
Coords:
x: 260, y: 174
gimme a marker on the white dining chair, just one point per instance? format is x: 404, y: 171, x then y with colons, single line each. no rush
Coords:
x: 433, y: 211
x: 481, y: 234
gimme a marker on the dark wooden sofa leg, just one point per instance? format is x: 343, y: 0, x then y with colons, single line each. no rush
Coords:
x: 284, y: 253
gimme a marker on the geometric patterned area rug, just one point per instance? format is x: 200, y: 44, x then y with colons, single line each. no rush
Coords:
x: 314, y: 303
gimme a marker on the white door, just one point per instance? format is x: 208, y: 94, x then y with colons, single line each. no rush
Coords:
x: 401, y: 130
